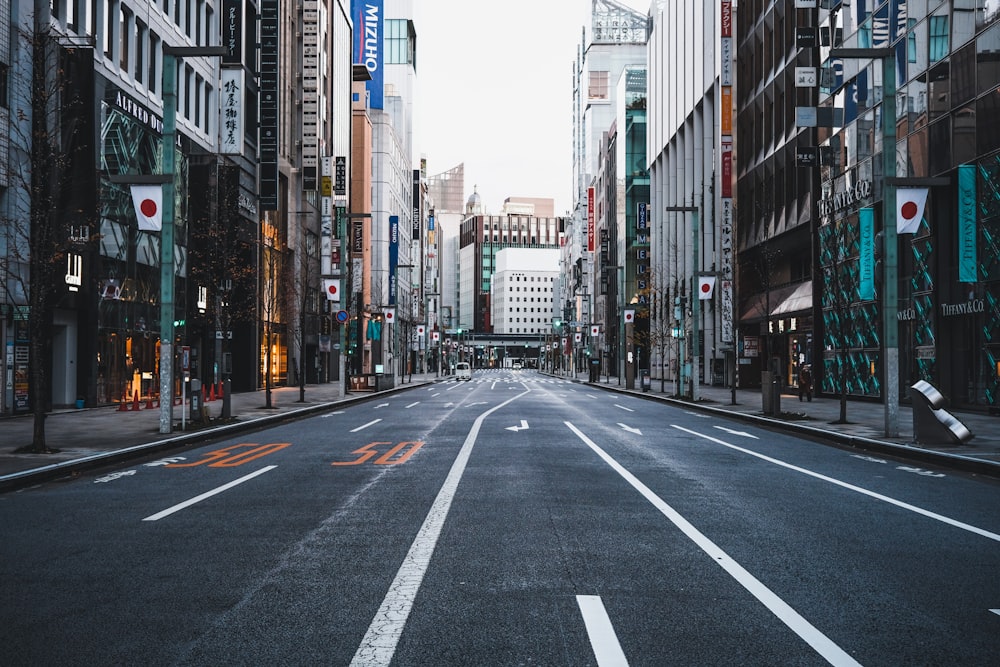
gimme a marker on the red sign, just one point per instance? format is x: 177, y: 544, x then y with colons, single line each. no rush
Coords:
x: 590, y: 220
x: 727, y: 169
x: 727, y: 18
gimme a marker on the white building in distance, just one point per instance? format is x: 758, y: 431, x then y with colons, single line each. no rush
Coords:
x: 521, y: 292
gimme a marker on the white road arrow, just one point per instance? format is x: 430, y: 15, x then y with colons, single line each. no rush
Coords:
x: 381, y: 405
x: 743, y: 433
x: 630, y: 429
x: 523, y: 426
x: 449, y: 405
x: 476, y: 403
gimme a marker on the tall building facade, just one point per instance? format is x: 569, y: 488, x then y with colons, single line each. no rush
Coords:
x: 481, y: 238
x: 614, y: 39
x: 690, y: 189
x: 946, y: 148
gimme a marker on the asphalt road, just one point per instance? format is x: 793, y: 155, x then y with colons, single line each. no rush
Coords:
x: 512, y: 520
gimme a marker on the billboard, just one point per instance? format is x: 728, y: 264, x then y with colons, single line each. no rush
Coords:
x: 368, y: 18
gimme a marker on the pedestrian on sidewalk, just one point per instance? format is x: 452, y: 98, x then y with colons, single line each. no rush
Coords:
x: 806, y: 382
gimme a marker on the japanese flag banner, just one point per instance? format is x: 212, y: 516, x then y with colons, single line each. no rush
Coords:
x: 332, y: 288
x: 706, y: 287
x: 390, y: 315
x: 629, y: 316
x: 148, y: 202
x: 910, y: 209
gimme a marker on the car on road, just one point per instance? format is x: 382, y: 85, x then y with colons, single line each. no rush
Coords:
x: 517, y: 366
x: 463, y: 371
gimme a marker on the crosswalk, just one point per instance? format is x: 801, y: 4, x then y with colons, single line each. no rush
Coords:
x: 506, y: 375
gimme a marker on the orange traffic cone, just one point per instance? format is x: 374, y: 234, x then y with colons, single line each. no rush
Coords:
x: 135, y: 401
x: 221, y: 390
x: 149, y: 402
x: 211, y: 393
x: 123, y: 404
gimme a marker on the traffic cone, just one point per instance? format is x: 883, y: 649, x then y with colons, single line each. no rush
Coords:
x: 123, y: 404
x: 149, y: 402
x: 211, y: 393
x: 222, y: 390
x: 135, y: 401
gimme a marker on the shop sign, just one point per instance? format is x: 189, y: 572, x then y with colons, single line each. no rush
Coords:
x: 971, y: 307
x: 845, y: 199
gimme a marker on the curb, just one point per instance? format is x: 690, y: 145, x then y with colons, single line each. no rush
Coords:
x: 944, y: 459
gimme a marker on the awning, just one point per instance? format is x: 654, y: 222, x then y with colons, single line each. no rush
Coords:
x: 801, y: 299
x: 782, y: 301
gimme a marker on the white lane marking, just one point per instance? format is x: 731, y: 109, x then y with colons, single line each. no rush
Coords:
x: 996, y: 611
x: 379, y: 643
x: 522, y: 427
x: 624, y: 408
x: 799, y: 625
x: 630, y: 429
x: 207, y: 494
x: 338, y: 412
x: 603, y: 638
x: 743, y: 433
x: 364, y: 426
x: 871, y: 494
x: 696, y: 414
x: 412, y: 404
x: 381, y: 405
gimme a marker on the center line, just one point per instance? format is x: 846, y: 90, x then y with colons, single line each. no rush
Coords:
x: 624, y: 408
x: 380, y: 641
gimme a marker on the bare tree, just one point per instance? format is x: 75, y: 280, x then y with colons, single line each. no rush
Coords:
x: 274, y: 297
x: 52, y: 224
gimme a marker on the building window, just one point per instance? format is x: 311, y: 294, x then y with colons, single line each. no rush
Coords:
x: 938, y: 38
x: 398, y: 45
x: 154, y: 54
x: 140, y: 48
x: 125, y: 37
x: 598, y: 89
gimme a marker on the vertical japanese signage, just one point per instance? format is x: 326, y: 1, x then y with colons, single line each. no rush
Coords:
x: 368, y: 21
x: 393, y: 256
x: 727, y: 320
x: 416, y: 222
x: 310, y: 94
x: 231, y: 110
x: 232, y: 31
x: 591, y: 223
x: 967, y: 258
x: 269, y: 107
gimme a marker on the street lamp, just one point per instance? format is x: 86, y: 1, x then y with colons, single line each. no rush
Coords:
x: 890, y: 287
x: 694, y: 295
x: 169, y: 86
x: 396, y: 337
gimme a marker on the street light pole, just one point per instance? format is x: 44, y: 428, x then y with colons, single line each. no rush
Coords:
x: 170, y: 56
x: 694, y: 295
x: 890, y: 287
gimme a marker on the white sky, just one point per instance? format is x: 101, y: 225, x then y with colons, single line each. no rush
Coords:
x: 495, y: 92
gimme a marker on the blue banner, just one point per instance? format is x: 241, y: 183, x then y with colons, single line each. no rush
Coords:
x: 967, y: 268
x: 393, y: 256
x: 369, y: 38
x: 866, y: 254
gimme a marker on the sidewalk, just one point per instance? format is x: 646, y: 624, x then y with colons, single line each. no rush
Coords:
x: 865, y: 428
x: 98, y: 436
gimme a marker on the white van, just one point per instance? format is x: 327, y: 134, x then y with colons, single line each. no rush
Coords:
x: 463, y: 371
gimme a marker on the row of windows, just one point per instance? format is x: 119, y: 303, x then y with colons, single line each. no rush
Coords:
x: 517, y: 288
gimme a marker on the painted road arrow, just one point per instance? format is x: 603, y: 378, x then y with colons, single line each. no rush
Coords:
x: 523, y: 426
x: 630, y: 429
x: 381, y: 405
x: 743, y: 433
